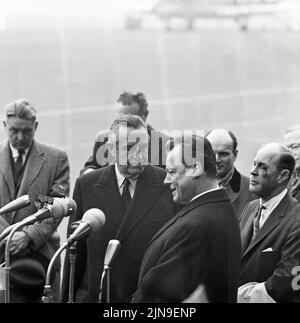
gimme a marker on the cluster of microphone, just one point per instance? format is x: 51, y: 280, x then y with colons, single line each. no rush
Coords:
x: 91, y: 223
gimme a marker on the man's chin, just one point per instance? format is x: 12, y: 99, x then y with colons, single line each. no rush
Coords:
x: 135, y: 170
x: 19, y: 146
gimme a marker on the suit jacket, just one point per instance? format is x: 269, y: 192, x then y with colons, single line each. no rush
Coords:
x: 102, y: 157
x: 200, y: 245
x: 275, y: 250
x: 45, y: 168
x: 238, y: 192
x: 151, y: 207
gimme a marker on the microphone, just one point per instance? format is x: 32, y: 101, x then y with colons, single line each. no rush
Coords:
x: 92, y: 220
x: 16, y: 204
x: 112, y: 250
x: 60, y: 208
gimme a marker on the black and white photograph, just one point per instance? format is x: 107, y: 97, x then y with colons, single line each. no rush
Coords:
x: 149, y: 153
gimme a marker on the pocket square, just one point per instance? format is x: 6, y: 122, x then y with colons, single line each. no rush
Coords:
x: 268, y: 250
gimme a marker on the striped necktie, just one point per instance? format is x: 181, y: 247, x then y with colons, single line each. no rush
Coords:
x: 18, y: 165
x: 256, y: 221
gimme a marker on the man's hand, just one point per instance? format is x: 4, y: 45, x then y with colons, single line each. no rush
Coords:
x: 19, y: 242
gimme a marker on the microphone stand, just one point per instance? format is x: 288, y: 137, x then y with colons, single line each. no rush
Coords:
x: 72, y: 258
x: 105, y: 272
x: 7, y: 261
x: 47, y: 288
x: 108, y: 284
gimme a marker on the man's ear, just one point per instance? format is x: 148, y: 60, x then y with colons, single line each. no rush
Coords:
x: 36, y: 125
x: 284, y: 176
x: 235, y: 153
x: 198, y: 169
x: 4, y: 124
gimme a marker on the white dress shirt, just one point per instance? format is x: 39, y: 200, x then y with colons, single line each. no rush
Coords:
x: 270, y: 206
x: 121, y: 182
x: 15, y: 153
x: 254, y: 292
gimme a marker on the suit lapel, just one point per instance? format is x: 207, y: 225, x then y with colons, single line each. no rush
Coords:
x: 146, y: 194
x: 6, y: 169
x: 271, y: 223
x: 247, y: 229
x: 211, y: 197
x: 108, y: 196
x: 35, y: 161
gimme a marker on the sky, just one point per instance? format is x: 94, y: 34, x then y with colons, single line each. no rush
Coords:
x: 45, y: 12
x: 108, y: 13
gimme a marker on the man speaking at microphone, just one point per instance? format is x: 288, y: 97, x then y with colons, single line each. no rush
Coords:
x: 136, y: 203
x: 29, y: 167
x: 201, y: 244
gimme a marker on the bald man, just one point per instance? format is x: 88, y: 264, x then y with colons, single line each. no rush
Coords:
x: 236, y: 185
x: 292, y: 141
x: 270, y: 231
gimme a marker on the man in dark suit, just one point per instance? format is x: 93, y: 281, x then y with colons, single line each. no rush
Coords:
x: 131, y: 104
x: 292, y: 141
x: 201, y: 244
x: 136, y: 203
x: 224, y: 144
x: 29, y: 167
x: 270, y: 230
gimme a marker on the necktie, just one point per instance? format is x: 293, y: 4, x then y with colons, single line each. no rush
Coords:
x: 126, y: 194
x: 19, y: 163
x: 256, y: 221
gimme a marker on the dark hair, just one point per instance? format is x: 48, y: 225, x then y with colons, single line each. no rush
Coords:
x: 231, y: 135
x: 197, y: 144
x: 128, y: 120
x: 128, y: 98
x: 286, y: 161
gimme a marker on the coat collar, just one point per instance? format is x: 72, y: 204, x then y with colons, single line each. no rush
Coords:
x: 210, y: 197
x: 235, y: 182
x: 34, y: 164
x: 148, y: 189
x: 35, y: 160
x: 6, y: 169
x: 271, y: 223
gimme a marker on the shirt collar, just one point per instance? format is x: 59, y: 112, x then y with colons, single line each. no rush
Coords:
x: 120, y: 178
x: 274, y: 201
x: 203, y: 193
x: 15, y: 152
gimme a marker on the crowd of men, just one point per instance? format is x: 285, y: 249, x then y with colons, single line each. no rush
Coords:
x: 191, y: 227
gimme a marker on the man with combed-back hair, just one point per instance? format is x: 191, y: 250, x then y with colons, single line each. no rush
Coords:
x: 136, y: 203
x: 28, y: 166
x: 270, y: 231
x: 129, y: 104
x: 200, y: 245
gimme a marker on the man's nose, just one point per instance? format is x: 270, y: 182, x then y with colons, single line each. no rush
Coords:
x: 20, y: 135
x: 253, y: 171
x: 167, y: 179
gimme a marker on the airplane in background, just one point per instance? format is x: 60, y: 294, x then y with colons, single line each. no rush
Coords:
x: 239, y: 11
